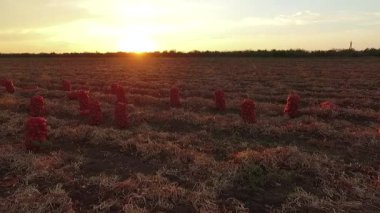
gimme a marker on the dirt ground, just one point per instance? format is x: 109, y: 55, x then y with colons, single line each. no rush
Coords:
x: 194, y: 158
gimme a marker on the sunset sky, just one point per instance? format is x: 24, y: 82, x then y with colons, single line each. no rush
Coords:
x: 138, y: 25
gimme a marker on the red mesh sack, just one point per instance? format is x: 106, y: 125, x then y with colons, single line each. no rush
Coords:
x: 95, y: 113
x: 73, y: 95
x: 84, y: 102
x: 220, y: 103
x: 119, y: 91
x: 37, y: 107
x: 248, y: 111
x: 174, y: 97
x: 66, y: 85
x: 36, y: 132
x: 121, y: 116
x: 8, y: 85
x: 114, y: 88
x: 327, y: 105
x: 120, y: 95
x: 291, y: 107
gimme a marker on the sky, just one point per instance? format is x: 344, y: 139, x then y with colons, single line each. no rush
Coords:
x: 156, y: 25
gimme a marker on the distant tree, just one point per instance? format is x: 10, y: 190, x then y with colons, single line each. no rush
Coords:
x: 196, y: 53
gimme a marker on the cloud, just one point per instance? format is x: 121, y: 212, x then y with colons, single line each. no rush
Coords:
x: 303, y: 29
x: 20, y: 36
x: 297, y: 19
x: 38, y: 13
x: 303, y: 18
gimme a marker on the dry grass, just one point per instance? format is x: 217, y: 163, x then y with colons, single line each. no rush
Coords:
x: 195, y: 159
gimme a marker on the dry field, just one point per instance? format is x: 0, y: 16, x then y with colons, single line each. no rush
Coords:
x: 194, y: 158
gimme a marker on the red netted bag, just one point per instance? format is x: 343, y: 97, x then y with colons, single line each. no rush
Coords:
x: 327, y: 105
x: 220, y: 103
x: 37, y: 106
x: 174, y: 97
x: 66, y: 85
x: 73, y: 95
x: 248, y: 111
x: 121, y: 115
x: 291, y: 107
x: 119, y: 91
x: 84, y: 102
x: 8, y: 85
x: 95, y: 113
x: 120, y: 95
x: 36, y: 132
x: 114, y: 88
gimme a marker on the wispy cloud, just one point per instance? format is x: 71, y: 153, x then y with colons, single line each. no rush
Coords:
x: 299, y: 18
x: 38, y: 13
x: 20, y: 35
x: 308, y: 17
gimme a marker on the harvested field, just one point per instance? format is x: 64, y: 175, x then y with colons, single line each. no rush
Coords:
x: 194, y: 158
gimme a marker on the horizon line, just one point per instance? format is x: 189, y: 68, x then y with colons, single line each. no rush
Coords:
x: 189, y: 52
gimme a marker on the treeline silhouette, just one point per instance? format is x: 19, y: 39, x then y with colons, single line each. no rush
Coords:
x: 372, y: 52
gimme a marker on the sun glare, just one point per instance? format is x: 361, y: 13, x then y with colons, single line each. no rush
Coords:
x: 139, y: 10
x: 137, y: 44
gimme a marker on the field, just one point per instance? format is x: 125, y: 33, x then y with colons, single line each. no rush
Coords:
x: 194, y: 158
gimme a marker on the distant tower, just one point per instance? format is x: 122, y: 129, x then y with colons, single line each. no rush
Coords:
x: 350, y: 45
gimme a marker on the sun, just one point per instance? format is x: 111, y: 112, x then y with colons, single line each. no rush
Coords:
x: 136, y: 44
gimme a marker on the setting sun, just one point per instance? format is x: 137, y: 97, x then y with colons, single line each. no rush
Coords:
x: 136, y: 44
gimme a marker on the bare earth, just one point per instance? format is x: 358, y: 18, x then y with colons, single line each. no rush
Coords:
x: 195, y: 159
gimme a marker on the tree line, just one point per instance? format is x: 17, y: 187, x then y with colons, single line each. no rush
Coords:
x: 369, y: 52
